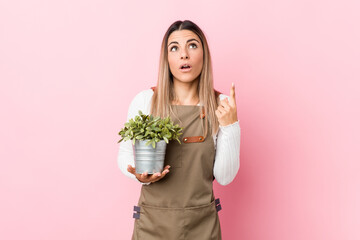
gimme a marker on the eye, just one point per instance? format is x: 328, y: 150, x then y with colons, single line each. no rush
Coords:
x: 171, y: 48
x: 193, y: 44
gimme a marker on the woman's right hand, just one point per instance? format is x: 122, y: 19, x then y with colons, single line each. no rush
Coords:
x: 145, y: 178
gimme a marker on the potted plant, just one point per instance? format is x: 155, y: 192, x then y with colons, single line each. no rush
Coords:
x: 149, y: 136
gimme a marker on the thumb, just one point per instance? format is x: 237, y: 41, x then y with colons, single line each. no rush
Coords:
x: 232, y: 95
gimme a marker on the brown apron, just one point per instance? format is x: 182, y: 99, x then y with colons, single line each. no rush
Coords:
x: 181, y: 206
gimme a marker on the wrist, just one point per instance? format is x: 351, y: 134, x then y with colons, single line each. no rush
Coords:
x: 143, y: 183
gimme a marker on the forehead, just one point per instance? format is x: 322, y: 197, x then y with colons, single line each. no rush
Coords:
x: 182, y: 36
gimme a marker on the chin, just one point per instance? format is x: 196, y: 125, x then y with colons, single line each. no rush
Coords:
x: 186, y: 78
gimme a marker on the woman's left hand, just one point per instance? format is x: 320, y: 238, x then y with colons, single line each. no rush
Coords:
x: 226, y: 111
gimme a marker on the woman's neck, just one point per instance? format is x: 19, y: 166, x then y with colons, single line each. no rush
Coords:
x: 186, y: 93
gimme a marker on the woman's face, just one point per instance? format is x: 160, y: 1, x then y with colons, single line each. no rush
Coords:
x: 184, y: 47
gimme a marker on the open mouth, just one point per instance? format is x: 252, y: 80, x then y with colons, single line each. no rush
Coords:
x: 185, y: 68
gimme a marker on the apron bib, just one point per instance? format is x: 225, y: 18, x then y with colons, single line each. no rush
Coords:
x: 181, y: 206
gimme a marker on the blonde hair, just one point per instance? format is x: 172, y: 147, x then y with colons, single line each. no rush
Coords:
x: 164, y: 91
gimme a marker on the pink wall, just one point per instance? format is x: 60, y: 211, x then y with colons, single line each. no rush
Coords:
x: 69, y: 69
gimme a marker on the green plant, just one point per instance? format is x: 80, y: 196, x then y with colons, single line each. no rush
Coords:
x: 147, y: 127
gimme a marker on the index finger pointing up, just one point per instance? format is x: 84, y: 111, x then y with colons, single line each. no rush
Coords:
x: 232, y: 95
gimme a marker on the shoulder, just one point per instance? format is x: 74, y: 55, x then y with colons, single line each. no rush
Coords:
x: 142, y: 98
x: 143, y: 95
x: 139, y: 102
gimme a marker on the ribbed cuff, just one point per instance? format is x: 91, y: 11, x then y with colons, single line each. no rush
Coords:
x: 229, y: 126
x: 145, y: 183
x: 142, y: 183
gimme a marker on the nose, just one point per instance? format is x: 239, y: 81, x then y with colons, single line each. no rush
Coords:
x: 184, y: 54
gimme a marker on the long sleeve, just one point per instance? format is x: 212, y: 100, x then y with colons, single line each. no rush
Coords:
x: 227, y: 155
x: 126, y: 154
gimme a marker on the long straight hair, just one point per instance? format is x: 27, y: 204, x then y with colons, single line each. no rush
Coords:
x: 164, y: 92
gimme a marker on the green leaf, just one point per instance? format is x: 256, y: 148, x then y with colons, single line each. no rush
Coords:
x: 148, y: 127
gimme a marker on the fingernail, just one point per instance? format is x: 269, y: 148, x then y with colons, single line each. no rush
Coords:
x: 159, y: 174
x: 166, y: 171
x: 233, y: 84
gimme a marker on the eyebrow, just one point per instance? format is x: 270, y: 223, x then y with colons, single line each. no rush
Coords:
x: 186, y: 41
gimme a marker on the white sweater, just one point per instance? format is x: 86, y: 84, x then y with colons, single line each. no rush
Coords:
x: 226, y: 141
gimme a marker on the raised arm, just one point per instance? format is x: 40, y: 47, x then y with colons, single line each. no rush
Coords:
x: 227, y: 157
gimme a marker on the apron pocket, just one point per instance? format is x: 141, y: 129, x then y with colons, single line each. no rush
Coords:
x: 160, y: 223
x: 202, y: 223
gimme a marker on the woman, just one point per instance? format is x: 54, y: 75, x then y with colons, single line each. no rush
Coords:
x: 179, y: 203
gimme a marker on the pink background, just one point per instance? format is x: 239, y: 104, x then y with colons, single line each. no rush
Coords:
x: 69, y: 70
